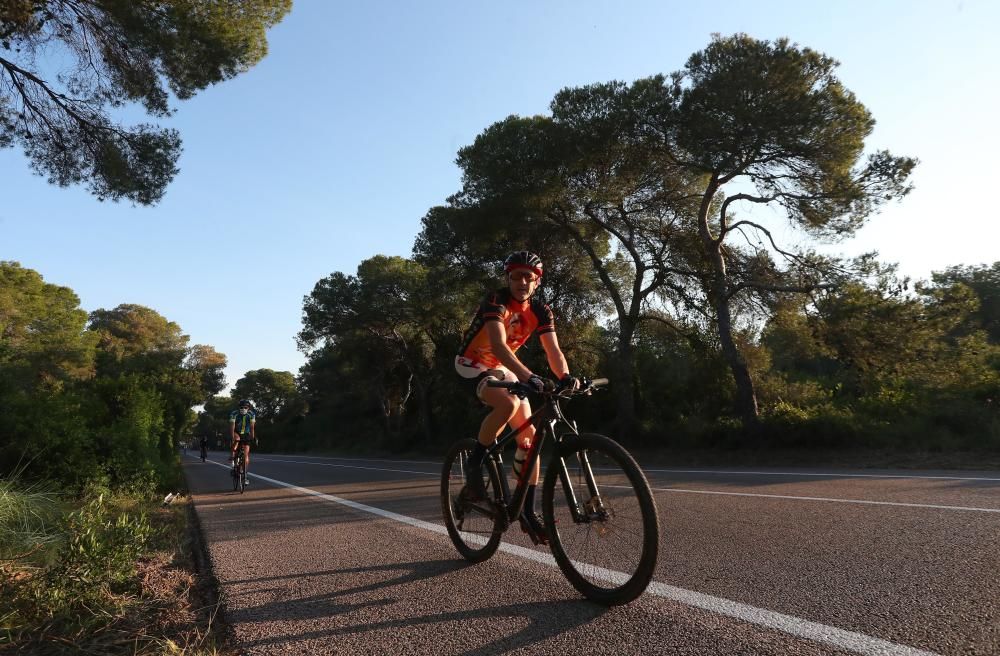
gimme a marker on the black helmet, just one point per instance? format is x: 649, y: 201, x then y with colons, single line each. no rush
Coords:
x: 244, y: 403
x: 523, y: 260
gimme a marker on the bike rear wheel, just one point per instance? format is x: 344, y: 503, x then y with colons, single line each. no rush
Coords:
x: 475, y: 528
x: 608, y: 549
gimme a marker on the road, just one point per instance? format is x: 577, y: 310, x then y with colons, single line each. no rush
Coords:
x: 349, y: 556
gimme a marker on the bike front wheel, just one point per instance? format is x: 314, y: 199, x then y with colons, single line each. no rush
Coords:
x: 234, y: 473
x: 475, y: 528
x: 602, y: 519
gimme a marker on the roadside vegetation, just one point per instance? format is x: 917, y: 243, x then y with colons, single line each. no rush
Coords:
x: 101, y: 572
x: 94, y: 408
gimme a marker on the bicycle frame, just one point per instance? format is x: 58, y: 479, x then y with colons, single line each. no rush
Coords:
x: 544, y: 420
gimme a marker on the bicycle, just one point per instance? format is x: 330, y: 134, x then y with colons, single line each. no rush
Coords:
x: 603, y: 530
x: 239, y: 471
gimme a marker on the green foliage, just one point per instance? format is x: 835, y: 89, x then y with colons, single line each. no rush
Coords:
x: 136, y: 339
x: 117, y: 53
x: 105, y: 401
x: 872, y: 365
x: 42, y: 344
x: 984, y: 283
x: 776, y: 114
x: 84, y: 593
x: 213, y: 420
x: 104, y: 542
x: 271, y: 392
x: 378, y: 331
x: 208, y: 365
x: 772, y: 118
x: 29, y: 518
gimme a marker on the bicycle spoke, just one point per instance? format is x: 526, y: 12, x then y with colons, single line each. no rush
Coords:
x: 472, y: 526
x: 609, y: 551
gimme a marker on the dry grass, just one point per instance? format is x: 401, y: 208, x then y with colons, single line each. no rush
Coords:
x: 163, y: 606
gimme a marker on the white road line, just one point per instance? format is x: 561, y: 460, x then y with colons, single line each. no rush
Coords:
x: 687, y: 491
x: 795, y: 498
x: 819, y: 474
x: 858, y: 643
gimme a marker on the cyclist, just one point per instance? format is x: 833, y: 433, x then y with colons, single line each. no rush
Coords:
x: 203, y: 444
x: 242, y: 423
x: 505, y: 320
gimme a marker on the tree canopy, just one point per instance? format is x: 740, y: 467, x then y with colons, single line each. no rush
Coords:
x: 106, y: 396
x: 42, y: 341
x: 635, y: 178
x: 270, y: 391
x: 117, y: 53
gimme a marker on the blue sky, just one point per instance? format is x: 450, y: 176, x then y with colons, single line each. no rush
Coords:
x: 333, y: 148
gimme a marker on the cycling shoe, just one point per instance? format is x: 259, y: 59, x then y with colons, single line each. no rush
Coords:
x: 532, y: 524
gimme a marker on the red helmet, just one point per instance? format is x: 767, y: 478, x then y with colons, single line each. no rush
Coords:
x: 523, y: 260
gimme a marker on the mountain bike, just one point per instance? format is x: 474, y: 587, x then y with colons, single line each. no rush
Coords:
x: 599, y: 512
x: 239, y: 471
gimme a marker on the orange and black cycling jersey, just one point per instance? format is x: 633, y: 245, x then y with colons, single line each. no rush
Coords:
x: 520, y: 320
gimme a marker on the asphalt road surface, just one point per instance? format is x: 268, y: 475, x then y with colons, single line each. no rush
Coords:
x: 349, y: 556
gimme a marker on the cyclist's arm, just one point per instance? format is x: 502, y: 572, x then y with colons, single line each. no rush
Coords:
x: 554, y: 354
x: 232, y: 430
x: 498, y: 343
x: 253, y: 429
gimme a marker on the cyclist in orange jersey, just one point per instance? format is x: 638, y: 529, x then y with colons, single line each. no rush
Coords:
x: 503, y: 323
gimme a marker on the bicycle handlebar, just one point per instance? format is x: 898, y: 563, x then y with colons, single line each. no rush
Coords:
x: 586, y: 386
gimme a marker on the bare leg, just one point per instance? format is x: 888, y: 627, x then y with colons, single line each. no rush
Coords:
x: 527, y: 436
x: 503, y: 405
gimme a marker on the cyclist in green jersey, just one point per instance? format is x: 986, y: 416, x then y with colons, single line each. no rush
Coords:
x: 242, y: 426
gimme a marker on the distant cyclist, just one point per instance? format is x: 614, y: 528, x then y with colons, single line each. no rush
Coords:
x: 504, y: 321
x: 242, y: 425
x: 203, y: 445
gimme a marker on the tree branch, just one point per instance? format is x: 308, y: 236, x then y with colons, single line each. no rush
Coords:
x: 767, y: 287
x: 723, y: 219
x: 598, y: 264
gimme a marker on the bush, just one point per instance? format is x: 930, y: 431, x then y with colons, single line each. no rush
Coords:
x: 86, y: 589
x: 29, y: 519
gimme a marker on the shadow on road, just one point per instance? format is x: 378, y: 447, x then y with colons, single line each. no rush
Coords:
x: 544, y: 619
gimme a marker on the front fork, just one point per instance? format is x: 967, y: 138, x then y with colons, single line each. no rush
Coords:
x: 593, y: 509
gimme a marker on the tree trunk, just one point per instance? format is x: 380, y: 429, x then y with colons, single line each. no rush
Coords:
x: 425, y: 415
x: 624, y: 383
x: 746, y: 397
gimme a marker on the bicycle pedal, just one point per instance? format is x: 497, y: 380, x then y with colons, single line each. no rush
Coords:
x: 535, y: 538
